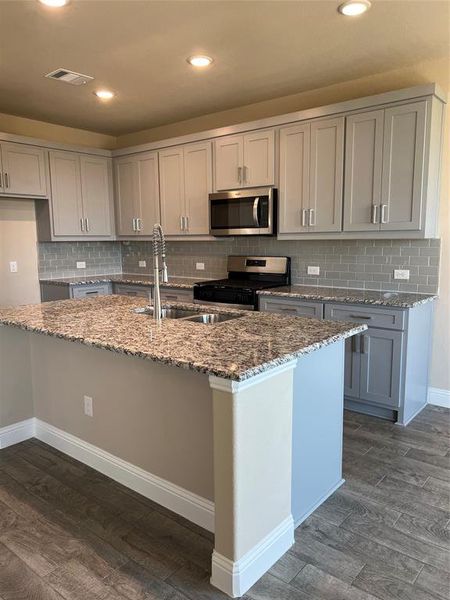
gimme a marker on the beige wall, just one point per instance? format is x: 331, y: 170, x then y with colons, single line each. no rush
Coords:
x: 18, y: 243
x: 16, y: 390
x: 54, y: 133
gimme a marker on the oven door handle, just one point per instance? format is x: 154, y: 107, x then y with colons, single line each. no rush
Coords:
x: 255, y: 211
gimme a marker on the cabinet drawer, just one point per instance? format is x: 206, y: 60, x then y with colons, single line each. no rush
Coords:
x: 295, y: 308
x: 87, y: 291
x: 141, y: 291
x: 373, y: 316
x: 176, y: 295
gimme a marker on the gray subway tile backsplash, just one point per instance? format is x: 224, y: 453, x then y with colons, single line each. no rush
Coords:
x: 367, y: 264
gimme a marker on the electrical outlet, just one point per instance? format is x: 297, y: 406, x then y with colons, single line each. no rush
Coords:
x: 13, y: 266
x: 401, y: 273
x: 88, y: 406
x: 200, y: 266
x: 313, y: 270
x: 81, y: 264
x: 143, y: 263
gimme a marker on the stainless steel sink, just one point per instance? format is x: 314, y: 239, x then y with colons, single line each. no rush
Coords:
x: 212, y: 318
x: 167, y: 313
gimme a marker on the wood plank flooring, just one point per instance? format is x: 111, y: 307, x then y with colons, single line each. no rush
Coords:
x: 70, y: 533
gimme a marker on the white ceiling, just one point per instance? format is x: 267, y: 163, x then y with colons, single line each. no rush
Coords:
x: 138, y: 48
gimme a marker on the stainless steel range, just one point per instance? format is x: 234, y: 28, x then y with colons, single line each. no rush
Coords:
x: 246, y: 275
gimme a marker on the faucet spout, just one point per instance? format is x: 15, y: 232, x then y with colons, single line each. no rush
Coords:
x: 159, y: 250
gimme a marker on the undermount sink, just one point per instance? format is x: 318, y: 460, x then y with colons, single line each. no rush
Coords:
x: 212, y: 318
x: 167, y: 313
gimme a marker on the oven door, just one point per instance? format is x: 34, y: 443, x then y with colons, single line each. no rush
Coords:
x: 243, y: 212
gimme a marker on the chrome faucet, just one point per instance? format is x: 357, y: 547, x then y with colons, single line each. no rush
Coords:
x: 159, y: 250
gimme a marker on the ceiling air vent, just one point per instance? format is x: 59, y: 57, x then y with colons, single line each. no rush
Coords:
x: 69, y: 77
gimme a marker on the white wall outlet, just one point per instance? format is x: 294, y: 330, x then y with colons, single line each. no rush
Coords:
x: 13, y: 266
x: 200, y: 266
x: 88, y: 406
x: 81, y: 264
x: 143, y: 263
x: 313, y: 270
x: 401, y: 273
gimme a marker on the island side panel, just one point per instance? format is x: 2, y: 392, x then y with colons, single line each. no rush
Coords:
x: 252, y: 474
x: 16, y: 392
x: 318, y: 415
x: 156, y: 417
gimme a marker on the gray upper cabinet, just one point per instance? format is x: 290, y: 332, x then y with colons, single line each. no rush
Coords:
x: 137, y: 194
x: 363, y: 169
x: 403, y: 166
x: 23, y: 170
x: 311, y: 173
x: 81, y: 196
x: 384, y: 171
x: 246, y: 160
x: 185, y: 183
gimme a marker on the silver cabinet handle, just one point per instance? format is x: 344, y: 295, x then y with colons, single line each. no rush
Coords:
x: 374, y: 214
x: 245, y: 174
x: 82, y: 224
x: 240, y: 174
x: 383, y: 213
x: 289, y: 310
x: 186, y: 223
x: 134, y: 224
x: 1, y: 181
x: 363, y: 345
x: 87, y: 223
x: 303, y: 217
x: 312, y: 214
x: 139, y: 224
x: 182, y: 223
x: 7, y: 182
x: 255, y: 212
x: 364, y: 317
x: 170, y: 297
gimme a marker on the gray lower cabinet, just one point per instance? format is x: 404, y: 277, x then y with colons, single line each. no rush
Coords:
x: 140, y: 291
x: 289, y: 306
x: 51, y: 291
x: 176, y: 295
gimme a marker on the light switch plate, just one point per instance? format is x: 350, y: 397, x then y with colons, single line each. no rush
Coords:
x: 200, y: 266
x: 313, y: 270
x: 13, y: 266
x: 81, y: 264
x: 88, y: 406
x: 142, y: 263
x: 401, y: 273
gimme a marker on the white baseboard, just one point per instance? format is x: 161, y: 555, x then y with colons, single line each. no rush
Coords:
x: 16, y: 433
x: 194, y: 508
x: 439, y: 397
x: 235, y: 578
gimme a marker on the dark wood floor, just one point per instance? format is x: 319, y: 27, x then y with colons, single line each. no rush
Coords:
x: 67, y: 532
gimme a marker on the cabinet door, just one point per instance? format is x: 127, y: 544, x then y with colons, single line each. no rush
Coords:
x: 228, y: 162
x: 23, y: 170
x: 352, y: 366
x: 96, y: 194
x: 327, y: 163
x: 403, y: 163
x: 363, y: 168
x: 294, y: 178
x: 127, y: 189
x: 171, y: 177
x: 148, y: 211
x: 259, y: 162
x: 197, y: 187
x: 65, y: 180
x: 381, y: 365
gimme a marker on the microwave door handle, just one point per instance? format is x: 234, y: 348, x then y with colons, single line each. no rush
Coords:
x: 255, y: 212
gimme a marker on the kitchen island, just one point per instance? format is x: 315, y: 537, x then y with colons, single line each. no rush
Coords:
x: 237, y: 426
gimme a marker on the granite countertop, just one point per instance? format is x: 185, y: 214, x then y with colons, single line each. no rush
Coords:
x: 236, y: 349
x: 354, y: 296
x: 129, y: 278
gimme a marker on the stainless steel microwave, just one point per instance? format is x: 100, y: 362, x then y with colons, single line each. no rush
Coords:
x: 243, y: 212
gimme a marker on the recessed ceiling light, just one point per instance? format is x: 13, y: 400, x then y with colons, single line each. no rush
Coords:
x: 353, y: 8
x: 54, y: 3
x: 200, y: 61
x: 104, y: 94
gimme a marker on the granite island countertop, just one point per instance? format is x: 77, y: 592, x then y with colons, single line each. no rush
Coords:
x: 126, y: 278
x: 236, y: 349
x: 349, y: 295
